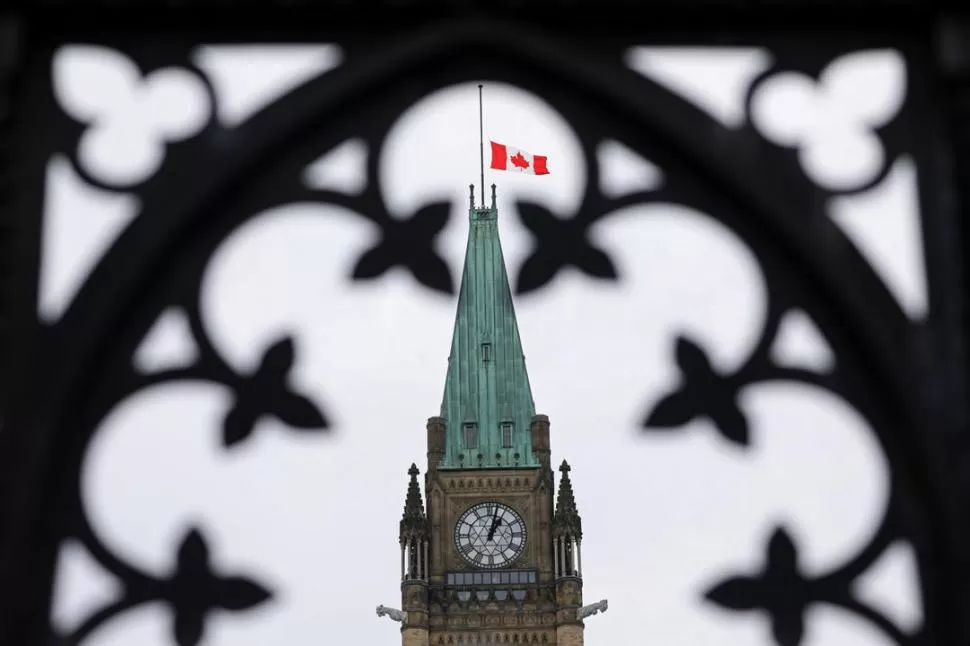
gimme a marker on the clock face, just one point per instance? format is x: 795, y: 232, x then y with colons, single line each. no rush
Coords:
x: 490, y: 535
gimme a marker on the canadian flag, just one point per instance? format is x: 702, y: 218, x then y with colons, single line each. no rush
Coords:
x: 509, y: 158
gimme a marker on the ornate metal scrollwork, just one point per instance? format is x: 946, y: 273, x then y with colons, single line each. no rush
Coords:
x: 190, y: 184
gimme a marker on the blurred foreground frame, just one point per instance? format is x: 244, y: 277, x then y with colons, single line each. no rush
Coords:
x: 57, y: 379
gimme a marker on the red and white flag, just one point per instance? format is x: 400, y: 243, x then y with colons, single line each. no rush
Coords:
x: 509, y: 158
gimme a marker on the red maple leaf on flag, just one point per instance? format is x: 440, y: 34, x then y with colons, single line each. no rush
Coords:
x: 519, y: 160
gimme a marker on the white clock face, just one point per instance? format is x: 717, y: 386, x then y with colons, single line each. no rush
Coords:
x: 490, y: 535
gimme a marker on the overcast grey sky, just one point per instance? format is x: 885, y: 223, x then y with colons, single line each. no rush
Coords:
x: 665, y: 516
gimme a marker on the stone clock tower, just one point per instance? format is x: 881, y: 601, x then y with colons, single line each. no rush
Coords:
x: 495, y: 558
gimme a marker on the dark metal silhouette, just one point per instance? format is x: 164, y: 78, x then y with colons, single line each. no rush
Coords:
x: 908, y: 380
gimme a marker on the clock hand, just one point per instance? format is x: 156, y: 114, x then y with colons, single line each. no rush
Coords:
x: 495, y: 525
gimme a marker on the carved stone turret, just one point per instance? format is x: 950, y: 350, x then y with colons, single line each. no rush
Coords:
x: 414, y: 535
x: 566, y: 521
x: 567, y: 533
x: 414, y: 522
x: 414, y: 532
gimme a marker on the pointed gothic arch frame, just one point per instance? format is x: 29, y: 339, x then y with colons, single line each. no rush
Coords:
x: 834, y: 266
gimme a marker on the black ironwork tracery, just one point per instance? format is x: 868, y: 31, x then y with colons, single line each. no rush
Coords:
x: 752, y: 186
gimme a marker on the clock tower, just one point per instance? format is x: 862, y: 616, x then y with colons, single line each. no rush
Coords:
x: 495, y: 557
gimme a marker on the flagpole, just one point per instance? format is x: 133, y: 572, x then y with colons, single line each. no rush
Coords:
x: 481, y: 142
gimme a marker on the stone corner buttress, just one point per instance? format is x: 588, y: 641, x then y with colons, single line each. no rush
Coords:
x: 414, y: 601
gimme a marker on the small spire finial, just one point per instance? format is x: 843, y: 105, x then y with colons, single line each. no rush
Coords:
x: 493, y: 197
x: 471, y: 196
x: 566, y: 520
x: 414, y: 522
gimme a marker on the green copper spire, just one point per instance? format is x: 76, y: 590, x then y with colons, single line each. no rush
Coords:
x: 488, y: 402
